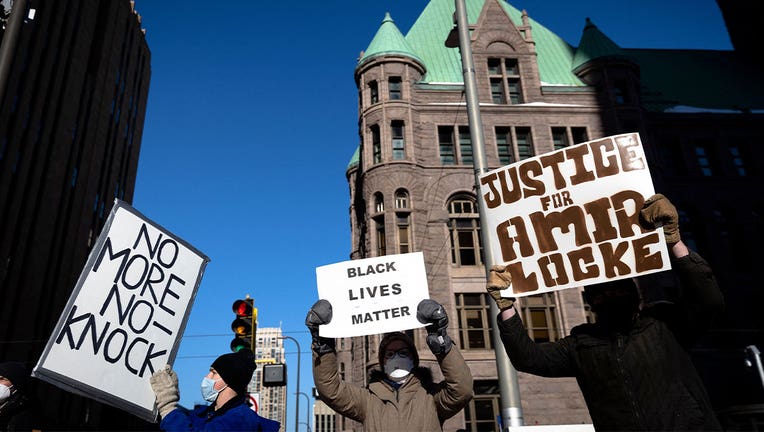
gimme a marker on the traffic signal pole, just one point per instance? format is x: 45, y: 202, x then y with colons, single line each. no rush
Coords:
x: 511, y: 410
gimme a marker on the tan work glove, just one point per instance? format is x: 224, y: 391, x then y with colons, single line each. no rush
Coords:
x: 164, y: 382
x: 498, y: 280
x: 658, y: 211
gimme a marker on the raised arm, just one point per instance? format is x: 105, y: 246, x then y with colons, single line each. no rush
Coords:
x: 550, y: 359
x: 456, y: 389
x: 346, y: 399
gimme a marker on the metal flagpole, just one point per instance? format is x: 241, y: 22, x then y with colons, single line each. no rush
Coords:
x: 511, y: 410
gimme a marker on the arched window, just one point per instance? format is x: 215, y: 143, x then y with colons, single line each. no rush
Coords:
x: 401, y: 199
x: 379, y: 203
x: 464, y: 231
x: 402, y: 221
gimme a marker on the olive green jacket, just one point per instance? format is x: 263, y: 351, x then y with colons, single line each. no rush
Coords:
x: 418, y: 405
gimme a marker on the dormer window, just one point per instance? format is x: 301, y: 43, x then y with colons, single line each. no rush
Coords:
x: 504, y: 78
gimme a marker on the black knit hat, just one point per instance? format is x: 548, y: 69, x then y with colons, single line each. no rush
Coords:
x: 403, y: 337
x: 16, y: 373
x: 236, y: 369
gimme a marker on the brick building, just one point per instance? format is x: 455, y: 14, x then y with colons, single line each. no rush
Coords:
x: 71, y: 119
x: 411, y: 179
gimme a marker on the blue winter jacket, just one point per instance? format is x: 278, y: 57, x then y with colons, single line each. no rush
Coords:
x: 235, y: 415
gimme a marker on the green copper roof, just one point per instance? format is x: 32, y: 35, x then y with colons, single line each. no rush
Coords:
x: 354, y: 159
x: 426, y: 37
x: 388, y: 41
x: 594, y: 44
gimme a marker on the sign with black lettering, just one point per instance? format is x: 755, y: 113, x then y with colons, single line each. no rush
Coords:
x: 126, y: 315
x: 373, y: 295
x: 571, y: 217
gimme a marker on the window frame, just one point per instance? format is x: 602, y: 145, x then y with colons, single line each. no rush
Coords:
x: 464, y: 226
x: 398, y: 139
x: 471, y: 337
x: 395, y: 88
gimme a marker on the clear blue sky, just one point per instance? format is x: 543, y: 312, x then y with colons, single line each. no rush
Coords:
x: 252, y: 119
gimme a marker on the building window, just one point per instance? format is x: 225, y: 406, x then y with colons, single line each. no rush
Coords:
x: 379, y: 203
x: 450, y: 154
x: 688, y: 229
x: 376, y: 145
x: 446, y: 145
x: 511, y: 141
x: 539, y: 313
x: 473, y: 319
x: 579, y: 135
x: 504, y: 79
x: 396, y: 130
x: 465, y: 145
x: 504, y: 145
x: 560, y: 137
x: 705, y: 158
x: 524, y: 142
x: 394, y: 87
x: 737, y: 160
x: 481, y: 412
x: 621, y: 92
x: 464, y: 231
x: 401, y: 199
x: 373, y: 92
x: 381, y: 242
x: 404, y: 237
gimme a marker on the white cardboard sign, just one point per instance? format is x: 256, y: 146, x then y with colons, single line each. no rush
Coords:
x: 571, y: 217
x: 373, y: 295
x: 126, y: 315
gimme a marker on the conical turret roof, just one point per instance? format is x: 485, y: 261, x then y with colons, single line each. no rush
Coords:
x: 388, y: 41
x: 593, y: 45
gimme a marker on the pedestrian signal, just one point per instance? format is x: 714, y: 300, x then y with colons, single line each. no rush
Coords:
x: 244, y: 326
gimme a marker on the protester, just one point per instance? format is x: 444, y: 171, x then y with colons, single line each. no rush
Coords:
x: 224, y: 387
x: 18, y: 412
x: 632, y: 364
x: 401, y: 396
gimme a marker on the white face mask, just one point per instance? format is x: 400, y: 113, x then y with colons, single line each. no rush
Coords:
x: 208, y: 389
x: 398, y: 368
x: 5, y: 392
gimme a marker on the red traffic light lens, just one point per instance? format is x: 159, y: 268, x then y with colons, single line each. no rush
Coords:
x: 242, y: 308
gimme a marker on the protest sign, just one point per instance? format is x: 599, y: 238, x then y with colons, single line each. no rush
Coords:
x: 571, y: 217
x: 126, y: 314
x: 373, y: 295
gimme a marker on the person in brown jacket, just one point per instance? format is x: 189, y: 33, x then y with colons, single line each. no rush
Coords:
x: 401, y: 396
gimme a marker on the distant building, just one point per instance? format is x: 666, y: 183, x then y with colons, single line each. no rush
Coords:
x: 411, y: 180
x: 324, y: 418
x: 273, y: 400
x: 71, y: 120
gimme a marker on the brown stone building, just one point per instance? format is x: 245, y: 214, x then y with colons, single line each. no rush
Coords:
x: 71, y: 121
x: 412, y: 180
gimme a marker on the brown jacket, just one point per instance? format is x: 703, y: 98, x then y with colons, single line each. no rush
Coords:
x: 418, y: 405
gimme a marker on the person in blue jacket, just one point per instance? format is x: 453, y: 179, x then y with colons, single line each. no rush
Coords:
x: 224, y: 387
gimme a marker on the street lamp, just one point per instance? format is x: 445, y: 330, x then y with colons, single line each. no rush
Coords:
x: 509, y: 389
x: 307, y: 409
x: 297, y: 395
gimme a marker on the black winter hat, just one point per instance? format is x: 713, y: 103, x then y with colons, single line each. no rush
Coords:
x: 236, y: 369
x: 403, y: 337
x: 16, y: 373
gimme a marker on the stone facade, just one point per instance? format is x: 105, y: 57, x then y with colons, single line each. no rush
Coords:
x: 403, y: 186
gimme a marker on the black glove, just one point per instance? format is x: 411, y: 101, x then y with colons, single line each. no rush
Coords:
x: 320, y: 313
x: 432, y: 313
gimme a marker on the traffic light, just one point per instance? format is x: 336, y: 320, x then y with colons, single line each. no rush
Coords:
x: 244, y: 326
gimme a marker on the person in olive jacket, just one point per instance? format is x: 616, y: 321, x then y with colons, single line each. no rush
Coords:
x: 632, y: 364
x: 401, y: 396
